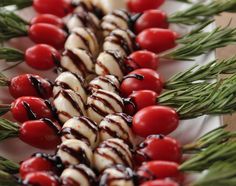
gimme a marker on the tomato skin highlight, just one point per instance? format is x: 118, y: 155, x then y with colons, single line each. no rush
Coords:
x: 19, y: 85
x: 158, y: 170
x: 42, y: 57
x: 49, y: 19
x: 40, y: 134
x: 41, y: 179
x: 35, y: 164
x: 59, y: 8
x: 155, y: 120
x: 142, y: 59
x: 44, y: 33
x: 158, y: 147
x: 157, y: 40
x: 37, y: 106
x: 166, y: 182
x: 138, y: 6
x: 149, y: 80
x: 140, y: 99
x: 151, y: 19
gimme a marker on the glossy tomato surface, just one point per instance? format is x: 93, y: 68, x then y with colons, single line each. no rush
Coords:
x: 30, y: 85
x: 166, y: 182
x: 157, y: 40
x: 151, y: 19
x: 141, y: 79
x: 42, y: 57
x: 49, y: 19
x: 155, y: 120
x: 137, y: 6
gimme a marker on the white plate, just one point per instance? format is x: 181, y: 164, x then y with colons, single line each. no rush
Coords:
x: 187, y: 131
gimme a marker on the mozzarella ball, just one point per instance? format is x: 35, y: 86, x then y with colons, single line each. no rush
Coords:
x: 112, y: 152
x: 81, y: 128
x: 102, y: 103
x: 69, y: 104
x: 73, y: 152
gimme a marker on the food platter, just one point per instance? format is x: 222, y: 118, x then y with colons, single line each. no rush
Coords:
x: 188, y: 130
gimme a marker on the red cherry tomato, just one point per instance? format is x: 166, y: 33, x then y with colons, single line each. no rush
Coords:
x: 30, y: 108
x: 138, y: 6
x: 44, y: 33
x: 158, y: 147
x: 158, y: 170
x: 42, y: 57
x: 56, y: 7
x: 142, y: 59
x: 151, y: 19
x: 35, y: 164
x: 157, y: 40
x: 155, y: 120
x: 41, y: 134
x: 141, y: 79
x: 49, y: 19
x: 41, y: 179
x: 34, y: 84
x: 166, y: 182
x: 140, y: 99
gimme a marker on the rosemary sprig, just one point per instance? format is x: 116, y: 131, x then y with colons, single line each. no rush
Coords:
x: 202, y: 98
x: 219, y: 152
x: 219, y: 174
x: 11, y: 26
x: 207, y: 72
x: 4, y: 80
x: 200, y: 43
x: 11, y: 54
x: 9, y: 166
x: 7, y: 179
x: 8, y: 129
x: 20, y: 4
x: 201, y: 12
x: 217, y: 136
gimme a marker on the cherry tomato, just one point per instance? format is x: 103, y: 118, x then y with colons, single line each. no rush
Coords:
x: 139, y: 100
x: 142, y: 59
x: 42, y: 57
x: 30, y: 108
x: 166, y: 182
x: 138, y: 6
x: 41, y: 134
x: 158, y: 170
x: 151, y: 19
x: 49, y: 19
x: 157, y: 40
x: 56, y: 7
x: 158, y: 147
x: 141, y: 79
x: 41, y: 179
x: 35, y: 164
x: 34, y: 84
x: 44, y: 33
x: 155, y: 120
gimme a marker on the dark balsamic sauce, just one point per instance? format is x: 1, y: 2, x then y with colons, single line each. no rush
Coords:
x: 37, y: 84
x: 31, y: 115
x: 51, y: 124
x: 79, y: 154
x: 136, y: 76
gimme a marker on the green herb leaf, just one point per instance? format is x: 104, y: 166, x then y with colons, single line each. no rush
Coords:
x: 199, y: 43
x: 4, y: 80
x: 201, y: 73
x: 202, y: 98
x: 11, y: 54
x: 7, y: 179
x: 20, y: 4
x: 219, y: 174
x: 8, y: 166
x: 214, y: 137
x: 8, y: 129
x: 202, y: 161
x: 201, y: 12
x: 11, y: 26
